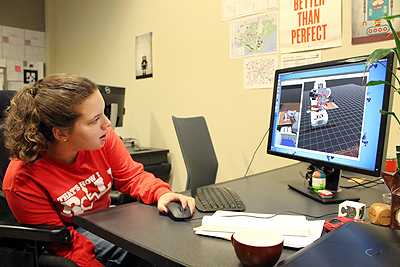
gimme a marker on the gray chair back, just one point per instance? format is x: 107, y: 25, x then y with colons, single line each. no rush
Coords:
x: 197, y: 151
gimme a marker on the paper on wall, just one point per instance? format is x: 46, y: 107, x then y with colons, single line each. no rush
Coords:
x: 14, y: 70
x: 13, y: 35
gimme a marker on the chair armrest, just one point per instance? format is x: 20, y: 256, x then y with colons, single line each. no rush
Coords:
x: 44, y: 233
x: 55, y: 261
x: 118, y: 198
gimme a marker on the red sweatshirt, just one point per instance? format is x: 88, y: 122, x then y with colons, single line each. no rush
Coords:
x: 50, y: 191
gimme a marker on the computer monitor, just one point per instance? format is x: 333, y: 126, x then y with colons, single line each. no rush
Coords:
x: 322, y: 114
x: 114, y: 98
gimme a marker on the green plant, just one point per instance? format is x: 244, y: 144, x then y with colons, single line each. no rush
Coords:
x: 382, y: 52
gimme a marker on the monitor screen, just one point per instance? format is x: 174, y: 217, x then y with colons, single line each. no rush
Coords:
x: 114, y: 98
x: 322, y: 114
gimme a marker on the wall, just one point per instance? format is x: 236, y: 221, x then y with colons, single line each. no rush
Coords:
x: 193, y: 74
x: 23, y: 14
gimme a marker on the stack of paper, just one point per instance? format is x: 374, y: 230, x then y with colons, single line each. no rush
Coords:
x: 296, y: 230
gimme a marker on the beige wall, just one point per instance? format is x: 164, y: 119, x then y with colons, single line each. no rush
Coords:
x: 193, y: 74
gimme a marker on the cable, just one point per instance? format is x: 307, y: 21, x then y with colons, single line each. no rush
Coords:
x: 367, y: 182
x: 274, y: 215
x: 311, y: 216
x: 254, y: 154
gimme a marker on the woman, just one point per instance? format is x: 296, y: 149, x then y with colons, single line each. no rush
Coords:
x: 66, y: 158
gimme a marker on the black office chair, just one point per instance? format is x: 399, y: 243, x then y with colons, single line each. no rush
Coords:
x: 21, y: 245
x: 197, y: 150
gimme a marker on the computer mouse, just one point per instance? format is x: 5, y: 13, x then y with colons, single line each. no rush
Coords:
x: 177, y: 213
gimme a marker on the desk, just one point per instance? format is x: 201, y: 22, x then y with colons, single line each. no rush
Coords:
x: 142, y: 230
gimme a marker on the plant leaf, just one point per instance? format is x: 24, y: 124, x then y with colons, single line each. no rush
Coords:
x: 373, y: 83
x: 395, y: 36
x: 392, y: 17
x: 390, y: 113
x: 377, y: 55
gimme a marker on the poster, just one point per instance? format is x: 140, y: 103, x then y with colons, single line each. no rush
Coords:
x: 310, y: 24
x: 367, y: 25
x: 144, y: 65
x: 254, y: 36
x: 260, y: 72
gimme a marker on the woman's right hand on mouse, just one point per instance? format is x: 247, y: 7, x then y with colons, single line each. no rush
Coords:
x: 170, y: 197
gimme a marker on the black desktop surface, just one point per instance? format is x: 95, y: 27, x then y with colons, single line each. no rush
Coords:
x: 145, y: 232
x: 353, y: 244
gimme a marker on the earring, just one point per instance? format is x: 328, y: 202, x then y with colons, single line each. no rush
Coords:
x: 65, y: 140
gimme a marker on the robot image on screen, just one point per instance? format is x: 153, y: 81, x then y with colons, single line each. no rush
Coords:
x: 319, y: 99
x: 322, y: 114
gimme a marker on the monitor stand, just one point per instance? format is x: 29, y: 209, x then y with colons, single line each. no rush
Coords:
x: 338, y: 197
x: 332, y: 184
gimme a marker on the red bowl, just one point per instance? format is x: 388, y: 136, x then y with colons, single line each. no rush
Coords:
x: 257, y: 247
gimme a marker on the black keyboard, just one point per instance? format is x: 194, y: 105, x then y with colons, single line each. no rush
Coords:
x: 218, y: 198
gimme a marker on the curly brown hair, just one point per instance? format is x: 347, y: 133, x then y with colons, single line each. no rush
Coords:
x: 34, y: 111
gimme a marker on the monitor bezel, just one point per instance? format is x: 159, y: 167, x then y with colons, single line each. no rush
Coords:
x: 384, y: 127
x: 113, y: 94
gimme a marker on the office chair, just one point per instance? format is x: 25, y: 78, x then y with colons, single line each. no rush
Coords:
x: 20, y: 245
x: 197, y: 151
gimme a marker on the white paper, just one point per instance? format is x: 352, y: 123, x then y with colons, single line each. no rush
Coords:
x: 1, y: 42
x: 247, y: 221
x: 1, y: 79
x: 3, y: 63
x: 15, y: 70
x: 35, y: 53
x: 296, y: 227
x: 13, y: 51
x: 14, y: 85
x: 35, y: 38
x: 298, y: 59
x: 35, y: 46
x: 13, y: 35
x: 238, y: 8
x: 316, y: 228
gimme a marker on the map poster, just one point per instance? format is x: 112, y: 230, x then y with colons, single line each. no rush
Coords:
x: 254, y: 35
x: 310, y: 24
x: 259, y: 72
x: 367, y: 25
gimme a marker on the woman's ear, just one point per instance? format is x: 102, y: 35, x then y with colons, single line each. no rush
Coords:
x: 60, y: 134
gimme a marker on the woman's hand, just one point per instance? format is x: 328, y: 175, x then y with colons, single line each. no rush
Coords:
x: 169, y: 197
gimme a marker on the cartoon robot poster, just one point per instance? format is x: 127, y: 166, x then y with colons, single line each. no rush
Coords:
x: 144, y: 66
x: 367, y: 25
